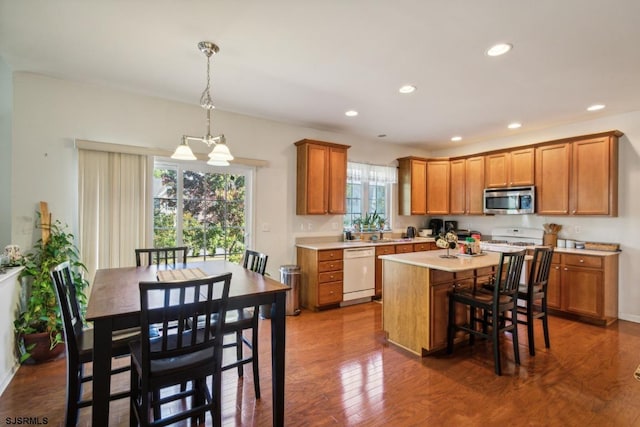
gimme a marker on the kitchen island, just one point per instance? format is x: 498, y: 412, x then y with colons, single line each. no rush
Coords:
x: 415, y: 300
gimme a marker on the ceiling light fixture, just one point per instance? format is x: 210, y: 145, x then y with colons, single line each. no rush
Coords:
x: 514, y: 125
x: 456, y: 138
x: 499, y: 49
x: 220, y: 154
x: 596, y: 107
x: 407, y: 89
x: 351, y: 113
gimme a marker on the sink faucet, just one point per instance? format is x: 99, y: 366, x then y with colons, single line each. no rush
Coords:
x: 381, y: 235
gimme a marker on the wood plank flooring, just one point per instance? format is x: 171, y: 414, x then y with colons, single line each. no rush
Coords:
x: 341, y: 372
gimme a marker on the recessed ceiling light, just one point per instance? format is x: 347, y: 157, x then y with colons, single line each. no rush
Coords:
x: 514, y: 125
x: 351, y: 113
x: 596, y: 107
x: 407, y: 89
x: 456, y: 138
x: 499, y: 49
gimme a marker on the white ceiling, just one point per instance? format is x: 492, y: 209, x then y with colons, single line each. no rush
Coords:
x: 306, y: 62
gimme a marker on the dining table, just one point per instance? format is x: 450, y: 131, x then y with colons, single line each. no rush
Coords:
x: 114, y: 304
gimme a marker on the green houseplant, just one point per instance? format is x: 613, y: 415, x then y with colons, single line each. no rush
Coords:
x: 40, y: 313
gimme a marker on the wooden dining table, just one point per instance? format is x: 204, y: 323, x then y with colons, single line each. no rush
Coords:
x: 114, y: 304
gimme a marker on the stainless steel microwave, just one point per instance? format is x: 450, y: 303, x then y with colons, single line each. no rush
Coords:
x: 509, y: 201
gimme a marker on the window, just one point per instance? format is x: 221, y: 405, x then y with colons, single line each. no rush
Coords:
x: 202, y: 207
x: 368, y: 191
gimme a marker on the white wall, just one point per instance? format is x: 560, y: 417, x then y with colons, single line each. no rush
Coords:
x: 49, y: 114
x: 6, y: 98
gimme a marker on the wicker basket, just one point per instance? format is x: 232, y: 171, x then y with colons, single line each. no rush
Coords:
x: 609, y: 247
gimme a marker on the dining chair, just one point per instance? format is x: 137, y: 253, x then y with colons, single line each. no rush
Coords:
x: 161, y: 256
x: 237, y: 321
x: 493, y: 305
x: 534, y: 295
x: 79, y: 343
x: 185, y: 355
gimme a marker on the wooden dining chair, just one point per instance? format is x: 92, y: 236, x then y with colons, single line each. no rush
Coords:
x: 185, y: 355
x: 79, y: 344
x: 161, y: 256
x: 493, y: 305
x: 240, y: 320
x: 534, y: 295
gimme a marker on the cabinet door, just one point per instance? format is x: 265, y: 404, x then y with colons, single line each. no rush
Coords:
x: 552, y: 179
x: 583, y: 291
x: 317, y: 175
x: 457, y: 198
x: 475, y: 185
x: 554, y: 295
x: 591, y: 186
x: 521, y: 167
x: 418, y: 187
x: 438, y: 187
x: 337, y: 182
x: 381, y: 250
x: 440, y: 315
x: 497, y: 170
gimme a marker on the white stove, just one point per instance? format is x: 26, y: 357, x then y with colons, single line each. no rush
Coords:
x: 512, y: 239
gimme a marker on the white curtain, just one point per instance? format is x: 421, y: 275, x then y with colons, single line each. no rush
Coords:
x: 357, y: 172
x: 114, y: 208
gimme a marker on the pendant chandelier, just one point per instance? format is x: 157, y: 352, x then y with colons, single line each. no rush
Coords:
x: 220, y: 154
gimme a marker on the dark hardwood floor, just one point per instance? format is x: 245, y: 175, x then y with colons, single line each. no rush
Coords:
x: 340, y: 371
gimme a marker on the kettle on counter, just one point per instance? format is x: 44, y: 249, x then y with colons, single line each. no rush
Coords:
x: 411, y: 232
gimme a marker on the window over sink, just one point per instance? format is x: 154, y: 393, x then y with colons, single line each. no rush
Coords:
x: 368, y: 191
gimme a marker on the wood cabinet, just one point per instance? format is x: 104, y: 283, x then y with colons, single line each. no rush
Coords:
x: 510, y: 168
x: 584, y: 287
x: 579, y: 176
x: 321, y: 178
x: 438, y: 187
x: 467, y: 186
x: 381, y: 250
x: 442, y: 283
x: 321, y: 277
x: 412, y: 186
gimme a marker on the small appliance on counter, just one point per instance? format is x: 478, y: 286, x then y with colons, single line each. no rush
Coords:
x: 450, y: 226
x: 437, y: 226
x: 411, y: 232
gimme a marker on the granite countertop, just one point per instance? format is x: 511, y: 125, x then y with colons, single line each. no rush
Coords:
x: 362, y: 243
x: 433, y: 259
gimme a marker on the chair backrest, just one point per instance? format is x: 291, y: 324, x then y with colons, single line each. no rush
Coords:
x: 183, y: 303
x: 161, y: 256
x: 69, y: 307
x: 509, y: 272
x: 539, y: 273
x: 255, y: 261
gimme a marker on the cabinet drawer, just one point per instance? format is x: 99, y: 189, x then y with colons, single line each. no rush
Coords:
x: 582, y: 260
x: 385, y: 250
x: 467, y: 274
x: 418, y: 247
x: 485, y: 271
x: 330, y: 266
x: 329, y: 255
x: 330, y: 293
x: 403, y: 249
x: 438, y: 276
x: 330, y: 276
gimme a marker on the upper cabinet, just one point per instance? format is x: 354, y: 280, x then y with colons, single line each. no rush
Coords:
x: 579, y: 176
x: 510, y: 168
x: 466, y: 186
x: 321, y: 178
x: 412, y: 186
x: 437, y: 187
x: 458, y: 187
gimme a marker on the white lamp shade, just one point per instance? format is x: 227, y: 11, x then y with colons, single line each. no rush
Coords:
x: 183, y: 152
x: 220, y: 152
x: 213, y: 162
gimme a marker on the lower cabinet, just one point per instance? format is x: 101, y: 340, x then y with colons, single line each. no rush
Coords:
x: 442, y: 283
x: 584, y: 287
x: 399, y: 249
x: 321, y: 274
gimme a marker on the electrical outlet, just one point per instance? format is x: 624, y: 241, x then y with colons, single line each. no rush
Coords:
x: 309, y: 226
x: 577, y: 229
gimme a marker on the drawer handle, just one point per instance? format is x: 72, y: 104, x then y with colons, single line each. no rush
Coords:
x: 331, y: 265
x: 331, y: 277
x: 581, y: 260
x: 330, y: 292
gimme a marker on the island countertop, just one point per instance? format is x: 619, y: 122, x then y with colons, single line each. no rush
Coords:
x: 434, y: 260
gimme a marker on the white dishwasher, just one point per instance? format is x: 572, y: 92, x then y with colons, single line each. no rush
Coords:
x: 359, y: 274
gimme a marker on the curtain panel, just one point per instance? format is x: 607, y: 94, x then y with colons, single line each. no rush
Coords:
x: 114, y: 208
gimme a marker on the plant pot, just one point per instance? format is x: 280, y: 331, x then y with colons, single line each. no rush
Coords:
x: 41, y: 351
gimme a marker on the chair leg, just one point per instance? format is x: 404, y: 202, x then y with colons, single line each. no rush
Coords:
x: 514, y: 334
x: 495, y: 335
x: 532, y: 345
x: 239, y: 352
x: 216, y: 391
x: 133, y: 398
x: 254, y: 357
x: 450, y: 325
x: 545, y: 324
x: 472, y: 324
x: 74, y: 392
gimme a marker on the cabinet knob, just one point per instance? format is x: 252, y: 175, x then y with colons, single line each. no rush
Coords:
x: 581, y: 260
x: 573, y: 211
x: 330, y: 292
x: 331, y: 277
x: 557, y: 268
x: 331, y: 265
x: 566, y: 269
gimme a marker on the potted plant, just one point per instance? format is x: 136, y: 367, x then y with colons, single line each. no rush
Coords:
x: 39, y: 326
